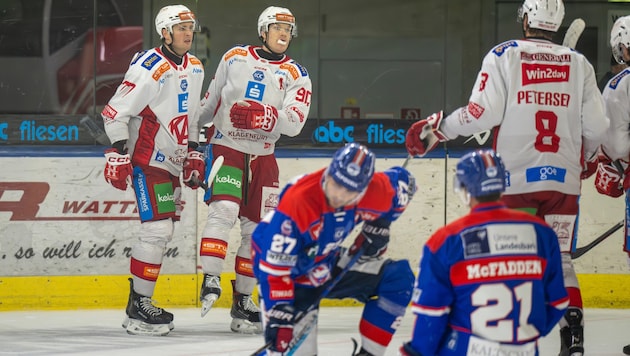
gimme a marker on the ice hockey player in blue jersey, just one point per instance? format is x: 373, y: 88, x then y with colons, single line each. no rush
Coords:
x: 297, y: 251
x: 490, y: 282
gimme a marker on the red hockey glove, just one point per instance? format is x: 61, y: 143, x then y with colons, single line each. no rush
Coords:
x: 424, y: 135
x: 608, y: 180
x: 118, y: 169
x: 279, y: 330
x: 194, y: 168
x: 248, y: 114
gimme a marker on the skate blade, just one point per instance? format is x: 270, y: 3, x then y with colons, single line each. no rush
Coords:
x: 136, y: 327
x: 125, y: 322
x: 207, y: 302
x: 243, y: 326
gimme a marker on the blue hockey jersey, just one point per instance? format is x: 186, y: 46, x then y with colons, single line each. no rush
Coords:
x: 489, y: 282
x: 298, y: 243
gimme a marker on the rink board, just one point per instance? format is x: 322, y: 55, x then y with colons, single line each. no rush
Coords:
x: 91, y: 292
x: 66, y: 235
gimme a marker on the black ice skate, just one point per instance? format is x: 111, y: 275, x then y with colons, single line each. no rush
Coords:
x: 144, y: 318
x: 572, y: 336
x: 210, y: 292
x: 626, y: 350
x: 245, y: 314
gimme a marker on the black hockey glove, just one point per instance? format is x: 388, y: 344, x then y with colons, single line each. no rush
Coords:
x: 279, y: 330
x: 373, y: 238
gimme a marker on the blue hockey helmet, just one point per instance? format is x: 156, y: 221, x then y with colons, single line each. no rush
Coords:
x: 480, y: 173
x: 352, y: 167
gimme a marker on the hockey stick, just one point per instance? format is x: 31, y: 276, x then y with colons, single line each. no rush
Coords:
x: 409, y: 157
x: 95, y: 130
x: 299, y: 338
x: 572, y: 36
x: 213, y: 173
x: 584, y: 249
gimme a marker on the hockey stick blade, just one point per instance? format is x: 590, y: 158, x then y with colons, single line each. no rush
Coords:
x: 213, y: 173
x: 584, y: 249
x: 572, y: 36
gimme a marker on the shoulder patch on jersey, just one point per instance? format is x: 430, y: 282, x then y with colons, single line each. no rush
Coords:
x: 235, y: 52
x: 195, y: 61
x: 616, y: 79
x: 301, y: 69
x: 137, y: 56
x: 291, y: 69
x: 150, y: 61
x: 161, y: 70
x: 501, y: 48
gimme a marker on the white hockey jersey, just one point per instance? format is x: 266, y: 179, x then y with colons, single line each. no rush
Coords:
x: 545, y: 98
x: 155, y: 109
x: 617, y: 98
x: 243, y: 75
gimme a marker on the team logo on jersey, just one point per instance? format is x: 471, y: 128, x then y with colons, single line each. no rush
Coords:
x: 159, y: 156
x: 544, y: 173
x: 500, y: 49
x: 285, y: 228
x: 258, y: 75
x: 615, y: 81
x: 183, y: 85
x: 178, y: 127
x: 255, y: 90
x: 544, y: 73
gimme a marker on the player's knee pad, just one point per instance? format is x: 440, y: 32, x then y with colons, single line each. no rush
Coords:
x: 222, y: 214
x: 157, y: 233
x: 396, y: 285
x: 247, y: 227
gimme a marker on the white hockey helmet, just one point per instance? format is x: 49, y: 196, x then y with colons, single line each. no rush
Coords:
x: 542, y: 14
x: 274, y: 14
x: 172, y: 15
x: 620, y: 35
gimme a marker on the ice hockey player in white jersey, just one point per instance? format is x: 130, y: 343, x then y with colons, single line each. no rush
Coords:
x: 490, y: 282
x: 257, y: 94
x: 152, y: 122
x: 612, y: 177
x: 547, y: 113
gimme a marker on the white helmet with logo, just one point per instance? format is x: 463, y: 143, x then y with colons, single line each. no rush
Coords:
x: 542, y: 14
x: 620, y: 35
x: 172, y: 15
x: 274, y: 14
